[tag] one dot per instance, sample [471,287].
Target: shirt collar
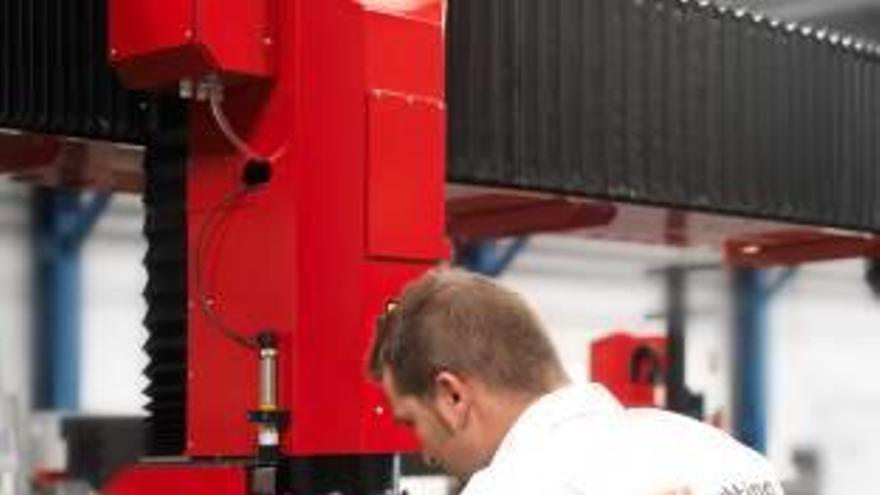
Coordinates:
[553,408]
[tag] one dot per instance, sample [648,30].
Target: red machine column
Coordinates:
[315,191]
[352,127]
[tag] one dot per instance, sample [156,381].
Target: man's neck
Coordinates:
[506,409]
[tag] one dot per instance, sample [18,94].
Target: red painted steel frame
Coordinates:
[355,209]
[182,479]
[19,153]
[795,246]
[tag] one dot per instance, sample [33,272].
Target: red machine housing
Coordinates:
[632,368]
[183,479]
[160,42]
[354,210]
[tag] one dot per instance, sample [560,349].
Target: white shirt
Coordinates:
[580,440]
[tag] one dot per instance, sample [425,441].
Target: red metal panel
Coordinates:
[158,43]
[250,261]
[294,256]
[406,178]
[328,193]
[249,269]
[414,66]
[384,279]
[239,35]
[184,479]
[138,28]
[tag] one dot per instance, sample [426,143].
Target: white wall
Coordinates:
[112,332]
[14,292]
[826,374]
[113,278]
[14,332]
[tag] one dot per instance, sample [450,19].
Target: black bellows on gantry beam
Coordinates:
[665,102]
[166,261]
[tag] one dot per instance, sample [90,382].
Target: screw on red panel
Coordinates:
[186,90]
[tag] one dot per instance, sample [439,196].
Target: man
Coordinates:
[468,366]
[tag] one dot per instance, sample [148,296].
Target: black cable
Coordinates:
[215,215]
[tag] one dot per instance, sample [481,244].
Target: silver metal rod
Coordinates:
[268,378]
[396,474]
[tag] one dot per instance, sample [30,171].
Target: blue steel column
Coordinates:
[753,292]
[60,223]
[487,258]
[749,359]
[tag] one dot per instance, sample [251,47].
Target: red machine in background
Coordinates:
[632,368]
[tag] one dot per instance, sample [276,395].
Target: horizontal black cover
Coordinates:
[54,74]
[665,102]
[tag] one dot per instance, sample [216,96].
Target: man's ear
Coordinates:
[453,398]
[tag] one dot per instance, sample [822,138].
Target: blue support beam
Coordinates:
[754,292]
[490,259]
[61,222]
[749,358]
